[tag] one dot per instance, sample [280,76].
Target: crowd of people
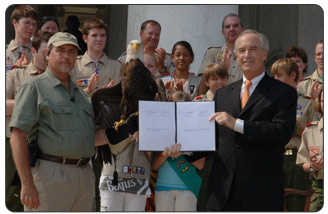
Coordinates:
[72,121]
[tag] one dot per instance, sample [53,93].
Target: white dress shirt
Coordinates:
[239,125]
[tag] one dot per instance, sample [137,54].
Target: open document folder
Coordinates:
[162,124]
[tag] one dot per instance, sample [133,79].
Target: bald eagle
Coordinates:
[134,51]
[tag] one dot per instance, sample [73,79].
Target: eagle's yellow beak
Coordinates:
[135,46]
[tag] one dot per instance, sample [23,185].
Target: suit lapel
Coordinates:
[235,95]
[260,90]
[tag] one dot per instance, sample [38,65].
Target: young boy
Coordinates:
[19,51]
[215,77]
[285,70]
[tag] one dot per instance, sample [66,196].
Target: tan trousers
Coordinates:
[63,187]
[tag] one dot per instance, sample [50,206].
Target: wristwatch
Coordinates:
[312,170]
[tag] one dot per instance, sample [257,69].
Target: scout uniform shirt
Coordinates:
[311,148]
[304,114]
[63,121]
[14,79]
[205,97]
[13,53]
[168,63]
[109,69]
[304,87]
[190,86]
[214,55]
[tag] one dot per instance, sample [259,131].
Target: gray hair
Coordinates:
[263,39]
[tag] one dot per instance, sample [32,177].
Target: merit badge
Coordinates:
[298,107]
[125,169]
[138,170]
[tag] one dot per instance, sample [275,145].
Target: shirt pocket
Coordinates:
[62,117]
[89,116]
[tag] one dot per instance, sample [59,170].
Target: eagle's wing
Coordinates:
[106,106]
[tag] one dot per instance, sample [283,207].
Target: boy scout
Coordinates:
[231,28]
[310,156]
[286,71]
[25,21]
[150,33]
[51,110]
[95,65]
[14,80]
[310,85]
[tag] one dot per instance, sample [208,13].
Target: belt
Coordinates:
[289,152]
[77,162]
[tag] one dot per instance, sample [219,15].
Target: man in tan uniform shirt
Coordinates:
[310,157]
[95,68]
[231,28]
[14,80]
[25,21]
[150,33]
[314,81]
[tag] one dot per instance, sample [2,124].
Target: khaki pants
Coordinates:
[175,200]
[317,197]
[63,187]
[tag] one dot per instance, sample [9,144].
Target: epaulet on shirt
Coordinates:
[212,47]
[15,66]
[306,78]
[79,57]
[312,123]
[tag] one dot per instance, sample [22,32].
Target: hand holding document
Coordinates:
[162,124]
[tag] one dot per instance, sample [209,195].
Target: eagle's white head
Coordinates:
[134,50]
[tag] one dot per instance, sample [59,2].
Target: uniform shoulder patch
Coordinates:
[305,78]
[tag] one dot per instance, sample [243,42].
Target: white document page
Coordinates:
[194,131]
[156,125]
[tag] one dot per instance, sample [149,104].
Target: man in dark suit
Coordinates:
[255,119]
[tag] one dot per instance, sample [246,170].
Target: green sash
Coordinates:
[187,173]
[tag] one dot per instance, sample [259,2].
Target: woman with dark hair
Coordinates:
[182,79]
[49,24]
[124,181]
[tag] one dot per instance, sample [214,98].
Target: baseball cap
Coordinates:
[63,38]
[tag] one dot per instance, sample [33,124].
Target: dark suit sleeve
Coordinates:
[280,128]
